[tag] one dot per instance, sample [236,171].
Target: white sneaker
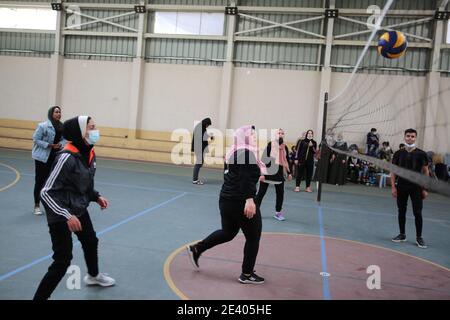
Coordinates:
[102,279]
[279,216]
[37,211]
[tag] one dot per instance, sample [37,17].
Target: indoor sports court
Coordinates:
[225,150]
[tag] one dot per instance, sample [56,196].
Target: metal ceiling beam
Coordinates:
[389,28]
[103,20]
[374,43]
[277,24]
[285,24]
[96,20]
[279,40]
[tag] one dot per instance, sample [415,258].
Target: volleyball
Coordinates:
[392,44]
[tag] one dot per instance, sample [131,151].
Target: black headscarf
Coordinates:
[56,123]
[200,126]
[72,132]
[205,124]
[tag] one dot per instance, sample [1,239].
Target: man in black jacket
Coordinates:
[66,197]
[414,159]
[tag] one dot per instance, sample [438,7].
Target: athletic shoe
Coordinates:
[420,243]
[252,278]
[279,216]
[37,211]
[400,238]
[198,182]
[308,189]
[102,279]
[297,189]
[193,255]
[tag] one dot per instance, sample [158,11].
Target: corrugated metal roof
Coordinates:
[445,62]
[180,51]
[423,29]
[250,54]
[413,62]
[397,5]
[245,23]
[27,44]
[100,48]
[282,3]
[278,56]
[130,21]
[192,2]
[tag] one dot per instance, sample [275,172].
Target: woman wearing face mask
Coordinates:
[47,140]
[304,159]
[276,159]
[66,197]
[237,206]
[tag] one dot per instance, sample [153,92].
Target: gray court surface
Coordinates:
[155,209]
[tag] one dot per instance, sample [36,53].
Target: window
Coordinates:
[28,18]
[448,32]
[197,23]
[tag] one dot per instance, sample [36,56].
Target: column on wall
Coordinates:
[227,74]
[137,78]
[56,61]
[325,75]
[427,131]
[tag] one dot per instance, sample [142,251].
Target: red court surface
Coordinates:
[292,264]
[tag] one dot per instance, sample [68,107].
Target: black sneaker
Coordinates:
[400,238]
[193,255]
[253,278]
[420,243]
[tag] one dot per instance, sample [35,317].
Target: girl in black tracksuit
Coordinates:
[66,196]
[242,173]
[304,159]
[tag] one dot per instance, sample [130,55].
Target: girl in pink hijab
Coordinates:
[237,204]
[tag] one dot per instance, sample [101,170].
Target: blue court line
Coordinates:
[25,267]
[325,284]
[291,203]
[114,226]
[137,215]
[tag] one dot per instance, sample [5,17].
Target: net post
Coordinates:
[324,127]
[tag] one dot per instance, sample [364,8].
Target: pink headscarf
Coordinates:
[242,141]
[278,152]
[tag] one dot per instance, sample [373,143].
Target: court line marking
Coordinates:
[180,294]
[287,202]
[15,180]
[100,233]
[323,256]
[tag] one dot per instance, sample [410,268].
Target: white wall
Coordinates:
[177,95]
[24,88]
[100,89]
[272,99]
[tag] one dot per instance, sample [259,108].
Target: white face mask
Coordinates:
[93,137]
[410,146]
